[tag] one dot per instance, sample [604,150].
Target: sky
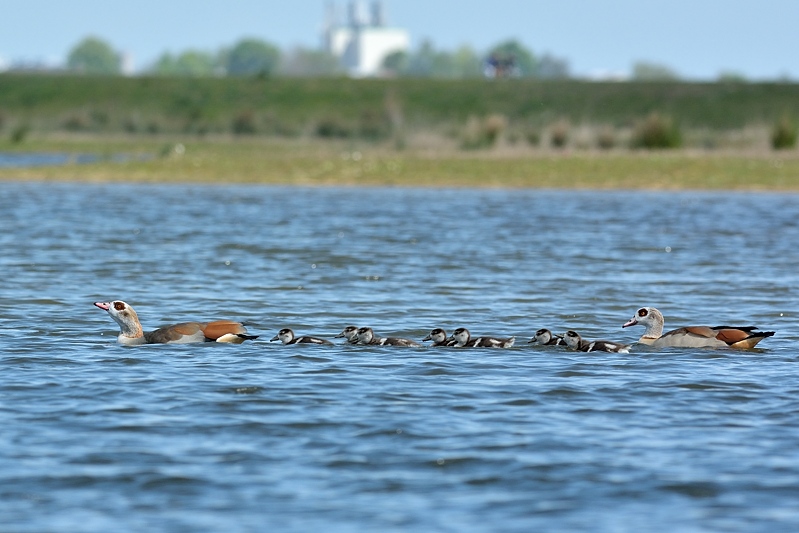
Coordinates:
[698,39]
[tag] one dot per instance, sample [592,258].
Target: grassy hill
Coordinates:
[341,107]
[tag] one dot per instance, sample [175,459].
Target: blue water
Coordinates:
[11,159]
[98,437]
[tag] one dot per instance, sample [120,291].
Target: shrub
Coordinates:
[783,135]
[333,128]
[244,123]
[130,125]
[20,133]
[374,125]
[76,123]
[533,137]
[153,127]
[493,127]
[559,134]
[606,138]
[483,133]
[656,131]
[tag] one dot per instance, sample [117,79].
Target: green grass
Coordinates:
[294,106]
[342,163]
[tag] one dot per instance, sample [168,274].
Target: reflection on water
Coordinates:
[37,159]
[206,437]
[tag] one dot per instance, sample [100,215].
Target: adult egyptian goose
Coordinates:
[287,336]
[367,336]
[132,333]
[545,337]
[464,339]
[574,341]
[694,336]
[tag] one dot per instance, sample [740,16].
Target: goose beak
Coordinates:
[632,322]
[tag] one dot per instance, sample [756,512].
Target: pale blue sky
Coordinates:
[696,38]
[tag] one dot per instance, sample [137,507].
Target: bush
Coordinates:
[20,133]
[559,134]
[333,128]
[656,131]
[483,133]
[493,127]
[783,136]
[244,123]
[533,137]
[606,138]
[374,125]
[76,123]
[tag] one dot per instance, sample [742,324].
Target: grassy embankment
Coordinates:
[398,132]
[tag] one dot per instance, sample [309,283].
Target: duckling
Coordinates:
[575,342]
[287,336]
[463,338]
[367,336]
[545,337]
[439,338]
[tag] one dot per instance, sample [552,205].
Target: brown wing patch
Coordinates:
[700,331]
[731,336]
[172,333]
[214,330]
[186,328]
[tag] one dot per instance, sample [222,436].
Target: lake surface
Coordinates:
[98,437]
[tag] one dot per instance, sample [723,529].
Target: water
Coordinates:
[98,437]
[37,159]
[11,159]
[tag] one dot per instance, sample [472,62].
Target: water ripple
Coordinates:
[101,437]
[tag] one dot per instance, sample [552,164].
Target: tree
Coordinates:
[396,63]
[550,67]
[305,62]
[511,58]
[466,63]
[645,71]
[94,56]
[252,57]
[188,63]
[421,63]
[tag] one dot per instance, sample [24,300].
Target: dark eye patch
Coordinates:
[642,312]
[119,306]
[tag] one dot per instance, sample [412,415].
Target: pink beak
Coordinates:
[105,306]
[632,322]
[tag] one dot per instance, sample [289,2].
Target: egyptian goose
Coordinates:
[545,337]
[350,333]
[287,336]
[439,338]
[367,336]
[132,334]
[463,339]
[575,342]
[694,336]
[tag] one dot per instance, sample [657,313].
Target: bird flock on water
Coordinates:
[230,331]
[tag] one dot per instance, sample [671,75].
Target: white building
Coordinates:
[364,41]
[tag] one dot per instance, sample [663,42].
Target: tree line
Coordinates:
[256,57]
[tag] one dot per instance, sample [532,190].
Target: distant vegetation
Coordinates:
[472,113]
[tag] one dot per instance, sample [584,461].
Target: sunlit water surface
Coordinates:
[97,437]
